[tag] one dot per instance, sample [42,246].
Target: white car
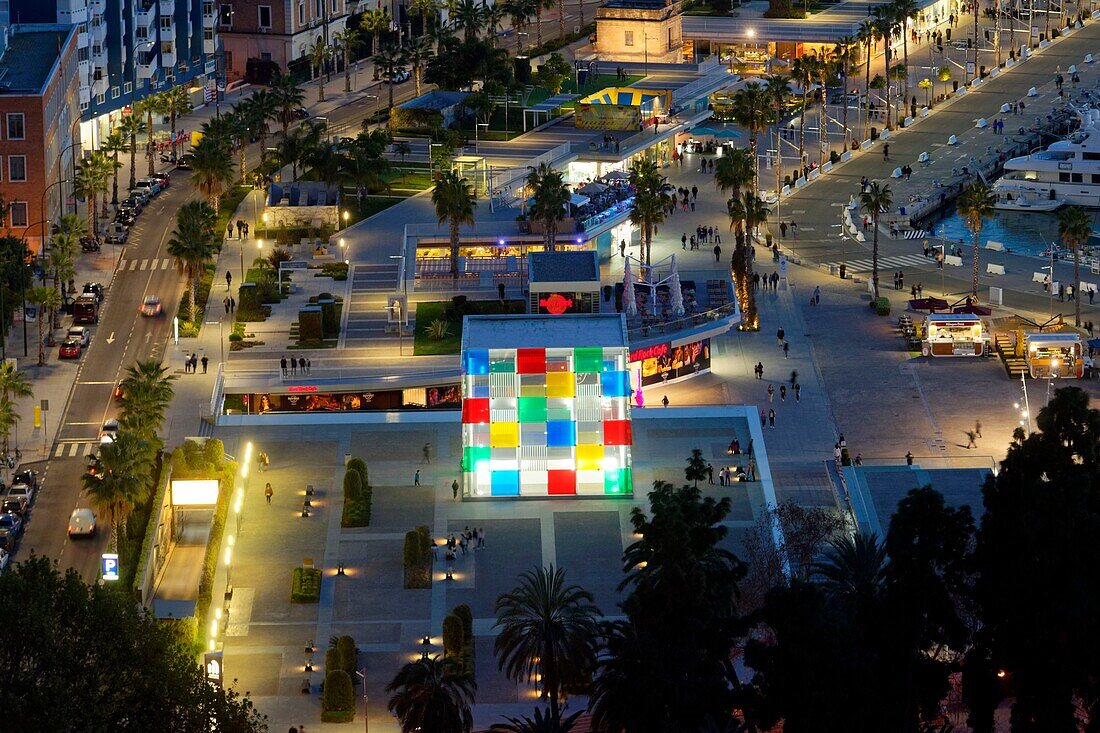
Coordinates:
[81,333]
[82,523]
[109,432]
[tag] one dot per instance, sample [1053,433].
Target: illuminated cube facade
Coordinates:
[545,406]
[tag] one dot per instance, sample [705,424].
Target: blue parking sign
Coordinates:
[110,566]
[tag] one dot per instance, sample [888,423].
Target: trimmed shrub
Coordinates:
[333,660]
[881,306]
[359,465]
[353,486]
[305,586]
[338,700]
[417,558]
[349,655]
[357,495]
[453,636]
[214,452]
[463,612]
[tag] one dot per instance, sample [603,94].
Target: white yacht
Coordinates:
[1067,172]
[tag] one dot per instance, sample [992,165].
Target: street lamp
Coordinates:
[343,255]
[346,215]
[260,251]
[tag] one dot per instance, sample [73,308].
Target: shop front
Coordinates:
[313,398]
[1055,355]
[954,334]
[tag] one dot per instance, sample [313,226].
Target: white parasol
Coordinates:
[674,290]
[630,305]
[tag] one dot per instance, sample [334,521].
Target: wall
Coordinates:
[292,216]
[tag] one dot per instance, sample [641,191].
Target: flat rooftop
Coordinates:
[559,267]
[31,56]
[536,332]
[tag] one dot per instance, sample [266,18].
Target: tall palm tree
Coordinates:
[976,204]
[651,201]
[364,164]
[550,200]
[153,104]
[520,11]
[177,102]
[319,55]
[886,21]
[778,93]
[853,570]
[117,479]
[89,182]
[425,9]
[432,695]
[389,62]
[418,52]
[237,133]
[540,5]
[376,22]
[130,127]
[541,723]
[258,110]
[804,71]
[295,148]
[211,169]
[876,199]
[48,300]
[193,244]
[9,419]
[469,17]
[63,257]
[748,210]
[494,16]
[146,394]
[733,171]
[845,54]
[868,35]
[547,629]
[112,145]
[903,11]
[13,385]
[454,200]
[752,111]
[347,40]
[1074,229]
[288,96]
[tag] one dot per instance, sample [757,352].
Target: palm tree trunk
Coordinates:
[133,161]
[888,108]
[149,139]
[561,18]
[41,349]
[580,12]
[390,85]
[114,186]
[321,83]
[193,284]
[172,127]
[867,93]
[802,128]
[244,165]
[454,249]
[974,268]
[905,79]
[538,23]
[844,97]
[1077,285]
[874,255]
[648,244]
[347,71]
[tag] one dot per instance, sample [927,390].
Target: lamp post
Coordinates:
[260,250]
[366,721]
[42,212]
[1052,374]
[431,173]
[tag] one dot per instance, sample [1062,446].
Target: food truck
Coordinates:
[954,334]
[1059,355]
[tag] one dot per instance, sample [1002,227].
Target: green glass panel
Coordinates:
[472,456]
[503,367]
[618,482]
[532,409]
[587,361]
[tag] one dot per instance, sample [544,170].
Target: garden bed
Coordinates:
[305,585]
[425,344]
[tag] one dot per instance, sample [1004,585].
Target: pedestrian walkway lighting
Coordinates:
[309,665]
[347,215]
[450,573]
[340,569]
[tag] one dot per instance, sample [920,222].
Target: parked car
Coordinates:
[132,205]
[82,523]
[400,77]
[164,178]
[125,217]
[69,349]
[118,391]
[80,333]
[11,529]
[21,491]
[109,431]
[150,306]
[150,184]
[95,289]
[301,113]
[30,478]
[141,194]
[116,233]
[14,505]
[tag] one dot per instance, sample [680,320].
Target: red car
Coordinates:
[70,349]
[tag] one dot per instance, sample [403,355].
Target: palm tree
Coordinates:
[887,24]
[778,93]
[425,9]
[257,111]
[112,145]
[211,169]
[376,22]
[853,570]
[752,111]
[540,5]
[63,258]
[541,723]
[389,62]
[868,34]
[9,419]
[296,147]
[237,133]
[48,300]
[432,695]
[347,40]
[469,17]
[749,210]
[319,54]
[146,394]
[153,104]
[651,201]
[193,244]
[418,52]
[176,102]
[287,96]
[547,629]
[130,127]
[520,11]
[976,204]
[903,10]
[494,16]
[845,54]
[1074,229]
[733,171]
[89,182]
[804,71]
[454,201]
[876,199]
[117,479]
[550,200]
[14,384]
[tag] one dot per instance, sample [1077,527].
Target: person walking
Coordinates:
[481,537]
[293,366]
[771,419]
[779,334]
[771,393]
[228,280]
[794,229]
[268,492]
[978,428]
[786,349]
[886,151]
[759,369]
[816,300]
[454,490]
[664,400]
[782,229]
[782,393]
[416,478]
[717,253]
[908,458]
[426,451]
[684,241]
[282,365]
[226,304]
[970,439]
[710,474]
[797,392]
[204,361]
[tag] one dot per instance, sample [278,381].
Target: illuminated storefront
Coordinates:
[950,334]
[1053,355]
[666,362]
[546,406]
[563,282]
[309,398]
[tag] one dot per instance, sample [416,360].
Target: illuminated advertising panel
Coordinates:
[203,492]
[663,362]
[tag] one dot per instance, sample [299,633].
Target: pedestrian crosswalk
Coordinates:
[154,263]
[885,263]
[74,450]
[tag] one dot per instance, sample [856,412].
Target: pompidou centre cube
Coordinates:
[545,406]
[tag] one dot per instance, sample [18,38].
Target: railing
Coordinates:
[684,323]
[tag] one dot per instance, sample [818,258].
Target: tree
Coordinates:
[146,394]
[319,55]
[425,9]
[14,385]
[63,251]
[130,127]
[376,22]
[1036,557]
[696,469]
[548,631]
[192,245]
[651,201]
[733,171]
[48,300]
[151,105]
[749,210]
[90,181]
[432,695]
[778,95]
[944,75]
[977,203]
[553,72]
[468,16]
[211,168]
[903,10]
[868,34]
[667,665]
[1074,229]
[112,145]
[389,63]
[402,149]
[805,71]
[876,199]
[118,479]
[9,419]
[418,52]
[177,102]
[364,163]
[347,40]
[886,22]
[541,723]
[846,55]
[454,201]
[296,147]
[288,96]
[541,5]
[752,111]
[551,199]
[520,12]
[257,111]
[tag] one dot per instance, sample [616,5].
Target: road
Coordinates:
[121,338]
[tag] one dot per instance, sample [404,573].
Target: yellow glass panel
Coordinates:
[504,434]
[589,457]
[560,384]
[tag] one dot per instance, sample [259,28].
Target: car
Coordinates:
[70,349]
[109,432]
[14,505]
[150,184]
[95,289]
[125,217]
[21,491]
[30,478]
[150,306]
[141,194]
[132,205]
[11,529]
[116,233]
[80,333]
[301,113]
[400,77]
[164,179]
[89,464]
[5,559]
[82,523]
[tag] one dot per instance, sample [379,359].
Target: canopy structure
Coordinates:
[546,107]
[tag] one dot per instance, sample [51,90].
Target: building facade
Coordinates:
[276,31]
[39,137]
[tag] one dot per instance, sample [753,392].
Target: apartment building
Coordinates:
[270,30]
[39,134]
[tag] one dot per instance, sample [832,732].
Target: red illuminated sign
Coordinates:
[556,304]
[649,352]
[302,388]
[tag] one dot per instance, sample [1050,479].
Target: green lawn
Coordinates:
[424,345]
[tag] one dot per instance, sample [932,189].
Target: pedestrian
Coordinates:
[695,189]
[309,367]
[481,537]
[901,279]
[1092,293]
[886,151]
[797,392]
[229,231]
[293,366]
[194,363]
[782,393]
[908,458]
[970,439]
[794,229]
[771,419]
[859,460]
[226,303]
[622,249]
[763,419]
[779,334]
[684,241]
[664,400]
[895,281]
[427,452]
[978,428]
[837,452]
[782,229]
[454,490]
[246,230]
[771,393]
[710,474]
[416,478]
[268,492]
[462,542]
[817,295]
[228,279]
[232,304]
[717,253]
[302,364]
[786,349]
[205,361]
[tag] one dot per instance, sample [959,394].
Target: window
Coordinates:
[18,212]
[301,14]
[1092,156]
[115,92]
[1063,177]
[127,88]
[208,34]
[17,168]
[16,130]
[1077,177]
[1095,178]
[629,40]
[166,22]
[207,9]
[82,54]
[335,6]
[225,15]
[319,9]
[142,33]
[265,16]
[267,57]
[100,99]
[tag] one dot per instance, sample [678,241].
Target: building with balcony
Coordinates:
[39,109]
[276,32]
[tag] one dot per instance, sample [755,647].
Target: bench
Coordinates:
[992,269]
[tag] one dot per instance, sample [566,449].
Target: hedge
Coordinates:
[417,557]
[360,466]
[453,636]
[458,638]
[191,463]
[151,525]
[349,655]
[338,699]
[881,306]
[305,585]
[358,496]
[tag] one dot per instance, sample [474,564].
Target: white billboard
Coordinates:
[203,492]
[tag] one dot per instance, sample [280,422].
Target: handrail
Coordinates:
[683,323]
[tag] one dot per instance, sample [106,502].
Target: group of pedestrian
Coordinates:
[767,419]
[815,299]
[973,435]
[466,539]
[768,281]
[997,126]
[907,171]
[899,280]
[292,365]
[706,165]
[783,226]
[191,363]
[230,304]
[917,291]
[729,475]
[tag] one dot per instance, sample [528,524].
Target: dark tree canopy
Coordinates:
[75,657]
